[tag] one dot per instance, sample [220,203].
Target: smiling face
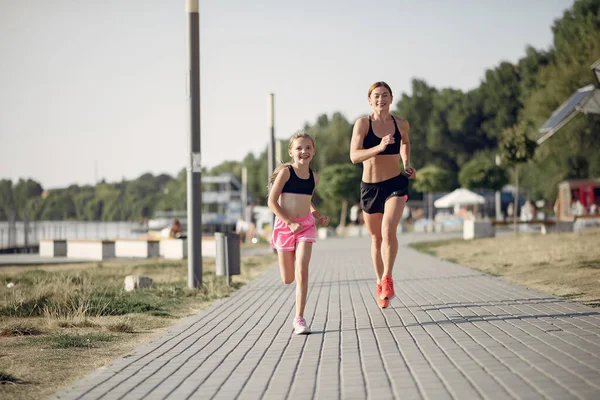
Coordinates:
[380,96]
[380,99]
[302,150]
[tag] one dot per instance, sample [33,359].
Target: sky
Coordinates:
[97,90]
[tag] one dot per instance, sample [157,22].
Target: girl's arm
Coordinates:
[323,219]
[282,177]
[313,210]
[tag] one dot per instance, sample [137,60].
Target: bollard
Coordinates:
[227,255]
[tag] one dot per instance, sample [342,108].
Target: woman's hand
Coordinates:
[386,140]
[410,172]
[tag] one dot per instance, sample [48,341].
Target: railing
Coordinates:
[22,234]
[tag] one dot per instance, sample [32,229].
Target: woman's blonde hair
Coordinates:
[297,135]
[379,84]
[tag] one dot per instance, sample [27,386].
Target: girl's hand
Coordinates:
[324,220]
[295,227]
[410,172]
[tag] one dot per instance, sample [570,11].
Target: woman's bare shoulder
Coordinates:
[399,119]
[361,120]
[402,122]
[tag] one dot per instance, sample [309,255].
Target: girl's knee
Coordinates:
[287,275]
[302,277]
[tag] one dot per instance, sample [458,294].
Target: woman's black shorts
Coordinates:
[374,195]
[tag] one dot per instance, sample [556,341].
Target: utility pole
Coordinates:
[271,122]
[271,152]
[194,167]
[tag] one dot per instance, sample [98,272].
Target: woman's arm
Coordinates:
[405,147]
[357,153]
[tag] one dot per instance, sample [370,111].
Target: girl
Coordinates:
[290,192]
[379,141]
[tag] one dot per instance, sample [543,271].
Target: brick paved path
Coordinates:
[451,332]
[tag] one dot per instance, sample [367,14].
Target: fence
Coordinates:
[26,234]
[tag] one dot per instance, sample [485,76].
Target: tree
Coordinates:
[332,140]
[528,69]
[58,206]
[433,178]
[482,173]
[417,109]
[516,148]
[501,98]
[572,152]
[6,198]
[340,185]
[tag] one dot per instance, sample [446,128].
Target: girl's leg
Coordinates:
[286,265]
[303,252]
[389,224]
[373,223]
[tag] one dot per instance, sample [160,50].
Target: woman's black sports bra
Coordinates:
[371,140]
[298,185]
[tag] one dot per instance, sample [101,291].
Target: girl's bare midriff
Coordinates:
[295,205]
[380,168]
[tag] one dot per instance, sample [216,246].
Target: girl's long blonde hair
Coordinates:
[297,135]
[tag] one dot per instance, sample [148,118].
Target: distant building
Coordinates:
[221,206]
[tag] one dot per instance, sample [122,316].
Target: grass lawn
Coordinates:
[561,264]
[58,323]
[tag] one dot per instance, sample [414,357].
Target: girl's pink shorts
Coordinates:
[285,240]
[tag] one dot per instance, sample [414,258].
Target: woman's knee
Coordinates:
[376,239]
[389,235]
[389,232]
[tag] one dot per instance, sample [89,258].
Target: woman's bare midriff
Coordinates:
[295,205]
[381,168]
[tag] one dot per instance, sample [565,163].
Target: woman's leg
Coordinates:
[394,207]
[373,223]
[303,253]
[389,248]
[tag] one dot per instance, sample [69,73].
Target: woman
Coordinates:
[379,140]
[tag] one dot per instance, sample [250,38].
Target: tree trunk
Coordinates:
[516,200]
[344,213]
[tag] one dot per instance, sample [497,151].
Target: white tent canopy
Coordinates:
[459,197]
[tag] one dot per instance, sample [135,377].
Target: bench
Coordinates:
[532,222]
[91,249]
[478,229]
[555,226]
[137,248]
[177,249]
[53,248]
